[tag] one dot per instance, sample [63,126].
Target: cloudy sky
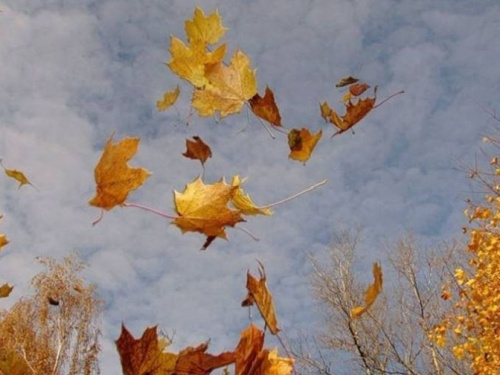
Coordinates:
[74,72]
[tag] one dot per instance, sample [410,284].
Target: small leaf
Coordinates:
[5,290]
[302,143]
[169,98]
[266,108]
[259,294]
[16,175]
[358,88]
[114,178]
[371,293]
[346,81]
[197,150]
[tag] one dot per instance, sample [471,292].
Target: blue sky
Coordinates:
[75,72]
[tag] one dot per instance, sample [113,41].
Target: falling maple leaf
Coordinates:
[147,356]
[5,290]
[355,112]
[203,208]
[3,238]
[266,108]
[114,178]
[302,143]
[259,294]
[346,81]
[169,98]
[371,293]
[358,88]
[243,202]
[248,349]
[188,62]
[197,150]
[203,29]
[228,89]
[16,175]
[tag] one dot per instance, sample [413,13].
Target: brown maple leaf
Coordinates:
[302,143]
[259,294]
[266,108]
[371,293]
[346,81]
[204,209]
[197,150]
[114,178]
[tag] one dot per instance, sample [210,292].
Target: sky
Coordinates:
[75,72]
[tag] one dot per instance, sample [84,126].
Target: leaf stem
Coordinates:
[388,98]
[247,231]
[150,209]
[293,196]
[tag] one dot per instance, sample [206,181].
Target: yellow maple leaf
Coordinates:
[3,238]
[16,175]
[371,293]
[5,290]
[188,62]
[259,294]
[302,143]
[204,29]
[271,364]
[203,208]
[114,178]
[243,202]
[169,98]
[228,89]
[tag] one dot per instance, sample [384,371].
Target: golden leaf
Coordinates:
[243,202]
[3,238]
[197,150]
[203,208]
[16,175]
[302,143]
[325,111]
[346,81]
[266,108]
[169,98]
[259,294]
[114,178]
[188,62]
[5,290]
[248,349]
[371,293]
[203,29]
[229,87]
[271,364]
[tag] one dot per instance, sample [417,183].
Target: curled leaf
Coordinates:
[243,202]
[259,294]
[346,81]
[302,143]
[114,178]
[266,108]
[5,290]
[197,150]
[371,293]
[16,175]
[169,98]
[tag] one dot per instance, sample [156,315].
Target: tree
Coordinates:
[392,337]
[55,331]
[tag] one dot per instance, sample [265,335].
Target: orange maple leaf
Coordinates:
[197,150]
[358,88]
[371,293]
[302,143]
[248,349]
[203,208]
[228,89]
[114,178]
[259,294]
[266,108]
